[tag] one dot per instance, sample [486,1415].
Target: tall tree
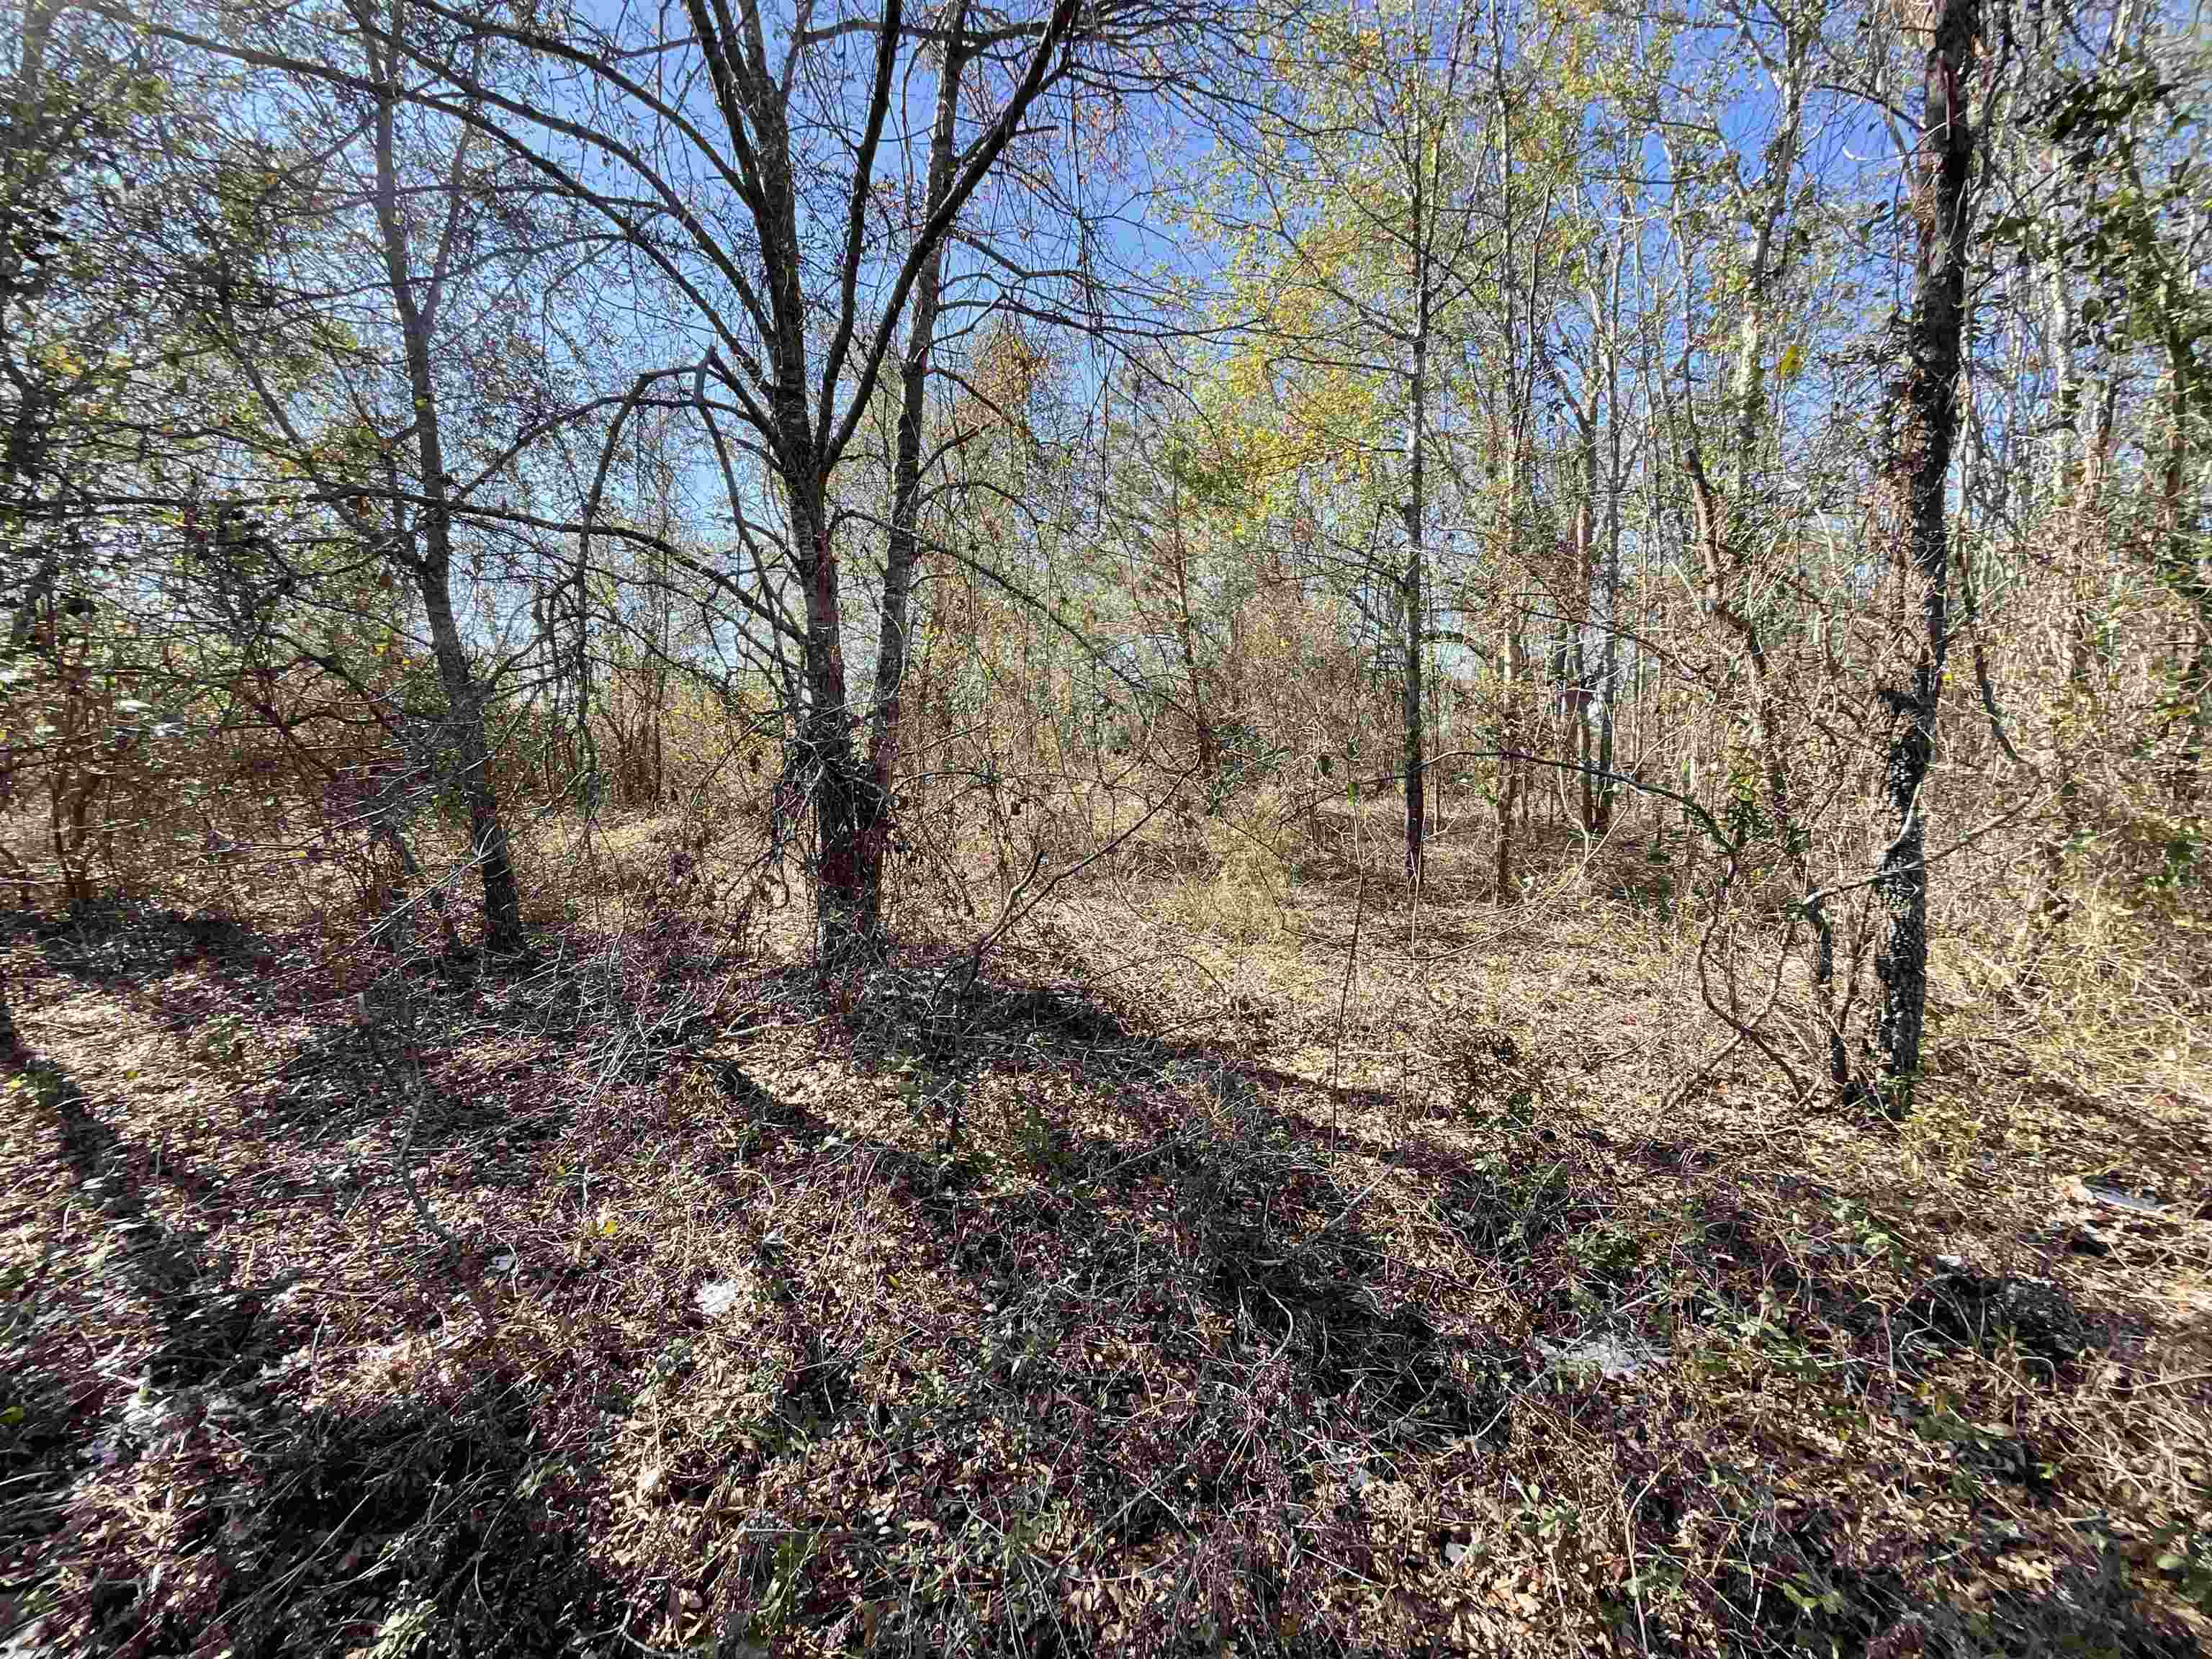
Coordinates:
[96,142]
[1919,467]
[1353,193]
[803,221]
[371,262]
[417,287]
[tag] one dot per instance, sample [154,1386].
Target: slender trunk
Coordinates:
[2189,780]
[1416,512]
[432,561]
[1748,394]
[1920,470]
[1409,595]
[659,736]
[1584,613]
[1437,692]
[2065,393]
[902,551]
[2183,564]
[1559,676]
[1608,651]
[1605,688]
[1514,653]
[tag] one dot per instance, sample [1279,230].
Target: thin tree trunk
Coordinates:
[1609,652]
[1584,612]
[1410,599]
[1920,470]
[1514,656]
[2189,780]
[902,551]
[1416,511]
[1749,394]
[2184,564]
[433,560]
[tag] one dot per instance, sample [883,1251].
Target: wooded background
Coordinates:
[1749,454]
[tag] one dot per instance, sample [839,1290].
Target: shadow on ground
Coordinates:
[1309,1368]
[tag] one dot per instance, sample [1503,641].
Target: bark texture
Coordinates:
[1926,429]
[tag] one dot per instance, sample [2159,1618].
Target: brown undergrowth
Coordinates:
[1166,1288]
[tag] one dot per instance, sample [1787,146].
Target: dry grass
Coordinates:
[1175,1290]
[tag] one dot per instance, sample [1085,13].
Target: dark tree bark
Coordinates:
[12,1053]
[806,430]
[1919,469]
[1409,591]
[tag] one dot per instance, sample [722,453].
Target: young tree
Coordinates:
[1352,193]
[376,400]
[1741,530]
[1927,419]
[79,324]
[1586,368]
[95,385]
[423,529]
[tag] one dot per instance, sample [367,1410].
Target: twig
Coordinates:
[1343,997]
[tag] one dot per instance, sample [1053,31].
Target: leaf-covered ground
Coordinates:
[1162,1293]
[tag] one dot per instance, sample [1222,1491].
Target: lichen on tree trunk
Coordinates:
[1919,469]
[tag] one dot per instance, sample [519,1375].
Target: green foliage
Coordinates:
[2129,131]
[2183,1558]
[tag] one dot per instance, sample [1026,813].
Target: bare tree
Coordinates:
[1357,176]
[373,435]
[424,532]
[780,225]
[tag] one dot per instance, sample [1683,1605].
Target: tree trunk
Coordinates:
[799,420]
[431,562]
[1416,779]
[1514,654]
[2183,563]
[11,1040]
[1919,471]
[1416,512]
[848,864]
[1584,612]
[488,838]
[1606,303]
[874,825]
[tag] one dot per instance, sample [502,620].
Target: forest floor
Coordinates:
[1188,1287]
